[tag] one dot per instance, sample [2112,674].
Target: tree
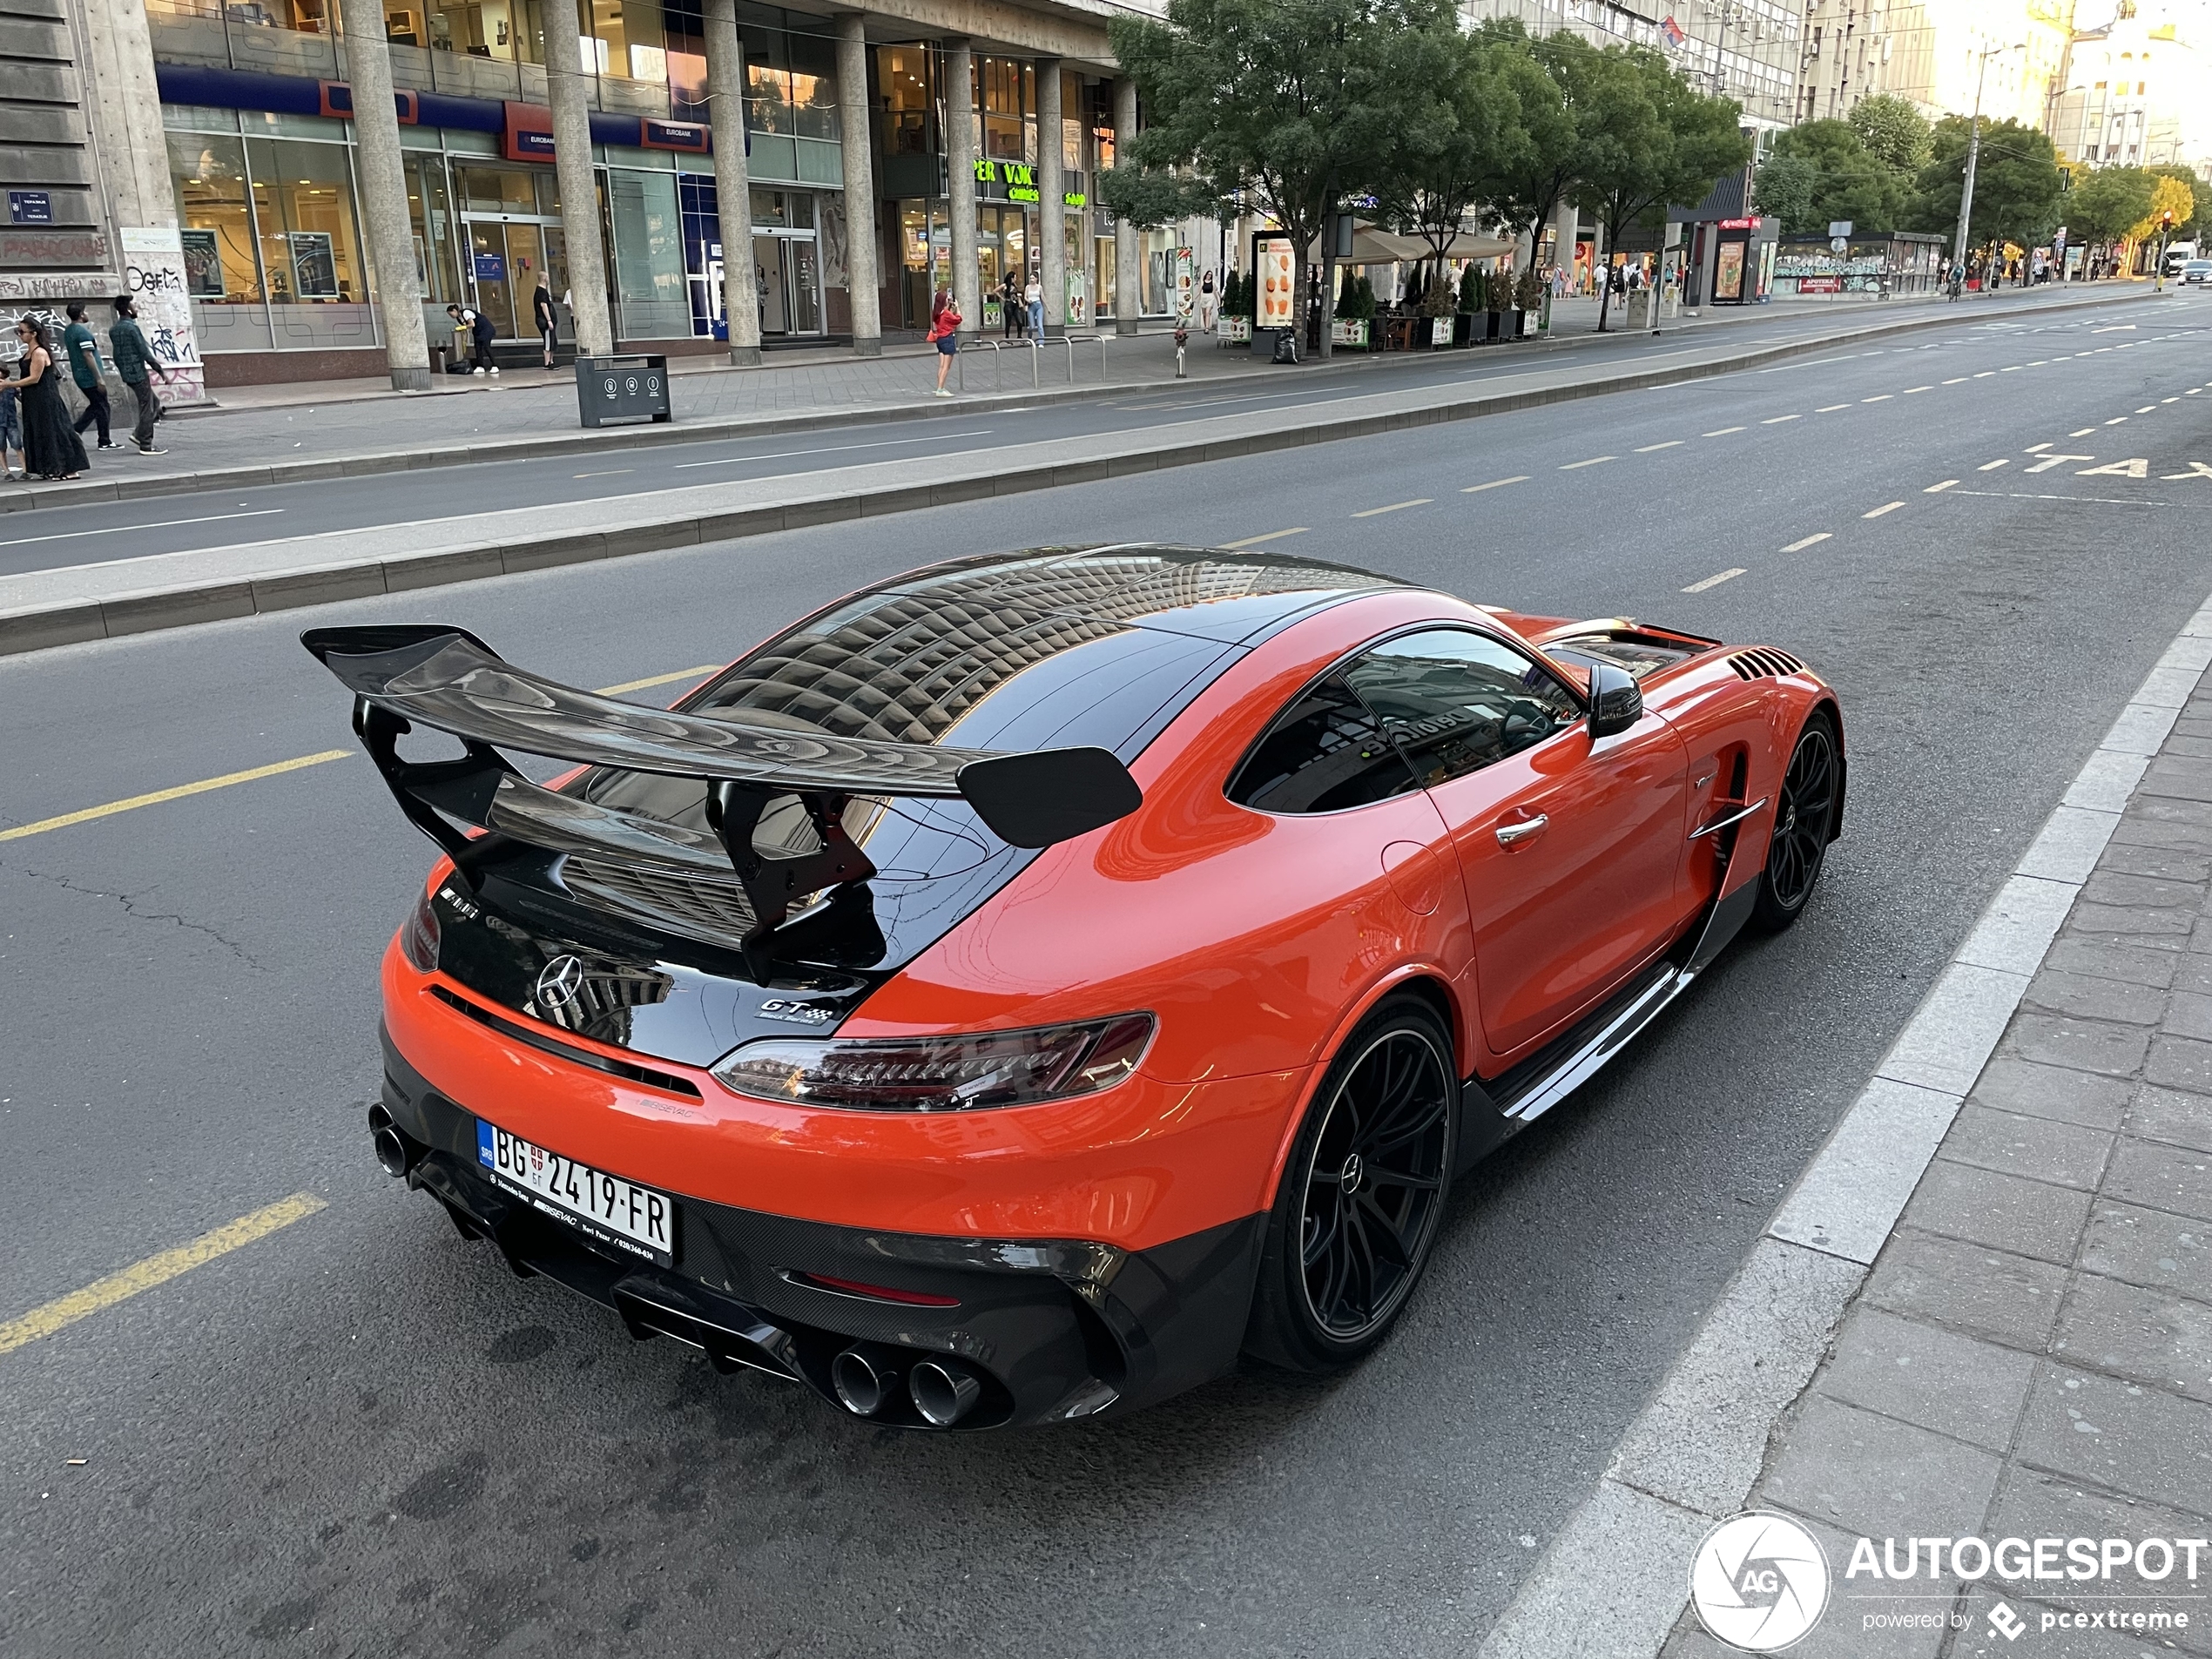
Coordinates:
[2168,195]
[1784,189]
[2185,224]
[1436,165]
[1534,166]
[2105,203]
[1286,103]
[1893,130]
[1839,178]
[2016,184]
[1646,138]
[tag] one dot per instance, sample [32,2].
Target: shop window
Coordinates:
[1000,99]
[215,223]
[652,296]
[904,95]
[309,244]
[429,203]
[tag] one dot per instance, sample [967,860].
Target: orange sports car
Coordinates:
[1019,989]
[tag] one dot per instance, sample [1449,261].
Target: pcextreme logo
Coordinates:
[1759,1582]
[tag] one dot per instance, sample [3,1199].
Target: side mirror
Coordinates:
[1616,702]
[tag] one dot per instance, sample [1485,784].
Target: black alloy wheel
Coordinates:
[1362,1195]
[1803,817]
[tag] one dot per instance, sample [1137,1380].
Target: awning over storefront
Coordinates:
[1373,246]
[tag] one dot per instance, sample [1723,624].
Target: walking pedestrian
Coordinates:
[1208,301]
[1010,307]
[548,320]
[50,448]
[1033,298]
[84,368]
[11,429]
[944,333]
[134,362]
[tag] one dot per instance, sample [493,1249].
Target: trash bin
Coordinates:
[614,391]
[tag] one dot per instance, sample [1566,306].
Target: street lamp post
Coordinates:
[1973,148]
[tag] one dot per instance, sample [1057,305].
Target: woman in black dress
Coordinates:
[50,446]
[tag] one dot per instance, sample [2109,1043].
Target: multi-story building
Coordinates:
[1746,50]
[231,119]
[2005,56]
[1847,48]
[2136,93]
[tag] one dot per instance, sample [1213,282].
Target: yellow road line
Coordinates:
[661,680]
[155,1269]
[1396,506]
[1271,535]
[176,793]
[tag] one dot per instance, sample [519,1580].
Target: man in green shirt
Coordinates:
[134,362]
[84,368]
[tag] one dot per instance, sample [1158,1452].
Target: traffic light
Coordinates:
[2166,220]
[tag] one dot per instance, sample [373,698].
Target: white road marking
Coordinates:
[1713,581]
[1948,483]
[1985,374]
[1881,397]
[1830,408]
[1911,389]
[2083,433]
[2037,448]
[2147,408]
[1777,420]
[117,530]
[2137,467]
[833,448]
[1670,444]
[1271,535]
[2116,420]
[1891,508]
[1800,546]
[1722,433]
[2050,461]
[1498,483]
[1592,461]
[1992,466]
[1398,506]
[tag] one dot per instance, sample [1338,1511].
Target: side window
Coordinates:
[1323,753]
[1455,702]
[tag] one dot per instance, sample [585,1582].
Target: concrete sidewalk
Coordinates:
[1985,1311]
[531,411]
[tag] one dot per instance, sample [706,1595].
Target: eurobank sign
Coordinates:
[1016,181]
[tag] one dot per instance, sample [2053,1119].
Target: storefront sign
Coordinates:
[686,137]
[202,265]
[528,131]
[1186,286]
[30,207]
[1006,181]
[1820,285]
[154,274]
[491,267]
[1750,223]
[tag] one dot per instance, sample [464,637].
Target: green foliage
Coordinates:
[1821,171]
[1533,168]
[1893,130]
[1527,291]
[1470,290]
[2189,224]
[1436,166]
[1356,296]
[1148,198]
[1646,138]
[2105,203]
[1782,189]
[2016,184]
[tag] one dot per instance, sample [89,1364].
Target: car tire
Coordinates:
[1805,818]
[1362,1195]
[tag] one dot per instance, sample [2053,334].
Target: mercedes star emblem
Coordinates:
[558,985]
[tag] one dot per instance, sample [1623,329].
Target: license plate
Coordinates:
[620,1212]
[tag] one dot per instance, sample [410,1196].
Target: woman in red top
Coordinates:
[944,329]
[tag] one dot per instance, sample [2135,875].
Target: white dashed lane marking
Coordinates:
[1713,581]
[1801,545]
[1889,507]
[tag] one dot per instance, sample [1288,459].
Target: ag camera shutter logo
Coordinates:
[1759,1582]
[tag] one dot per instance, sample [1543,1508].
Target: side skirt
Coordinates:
[1490,1112]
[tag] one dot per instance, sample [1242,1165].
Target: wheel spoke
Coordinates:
[1381,1232]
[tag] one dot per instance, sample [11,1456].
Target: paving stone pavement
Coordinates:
[2031,1356]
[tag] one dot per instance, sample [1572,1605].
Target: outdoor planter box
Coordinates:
[1463,328]
[1493,325]
[1350,333]
[1516,324]
[1236,330]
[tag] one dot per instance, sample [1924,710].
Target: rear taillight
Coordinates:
[419,936]
[948,1074]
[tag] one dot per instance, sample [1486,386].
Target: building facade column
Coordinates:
[1128,296]
[566,89]
[864,285]
[1565,222]
[960,183]
[1052,186]
[386,223]
[732,184]
[126,107]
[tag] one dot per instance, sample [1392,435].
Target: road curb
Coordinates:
[1692,1456]
[39,628]
[611,439]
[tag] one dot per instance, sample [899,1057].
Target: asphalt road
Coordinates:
[55,536]
[359,1434]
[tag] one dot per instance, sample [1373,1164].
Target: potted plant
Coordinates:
[1440,306]
[1528,294]
[1470,306]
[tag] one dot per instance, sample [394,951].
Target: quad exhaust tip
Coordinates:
[943,1390]
[866,1381]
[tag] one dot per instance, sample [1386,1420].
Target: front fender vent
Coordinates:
[1763,661]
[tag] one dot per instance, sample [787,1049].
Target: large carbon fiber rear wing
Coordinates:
[447,679]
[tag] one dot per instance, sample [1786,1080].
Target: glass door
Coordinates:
[491,275]
[768,272]
[804,265]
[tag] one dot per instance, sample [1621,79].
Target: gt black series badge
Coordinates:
[778,1008]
